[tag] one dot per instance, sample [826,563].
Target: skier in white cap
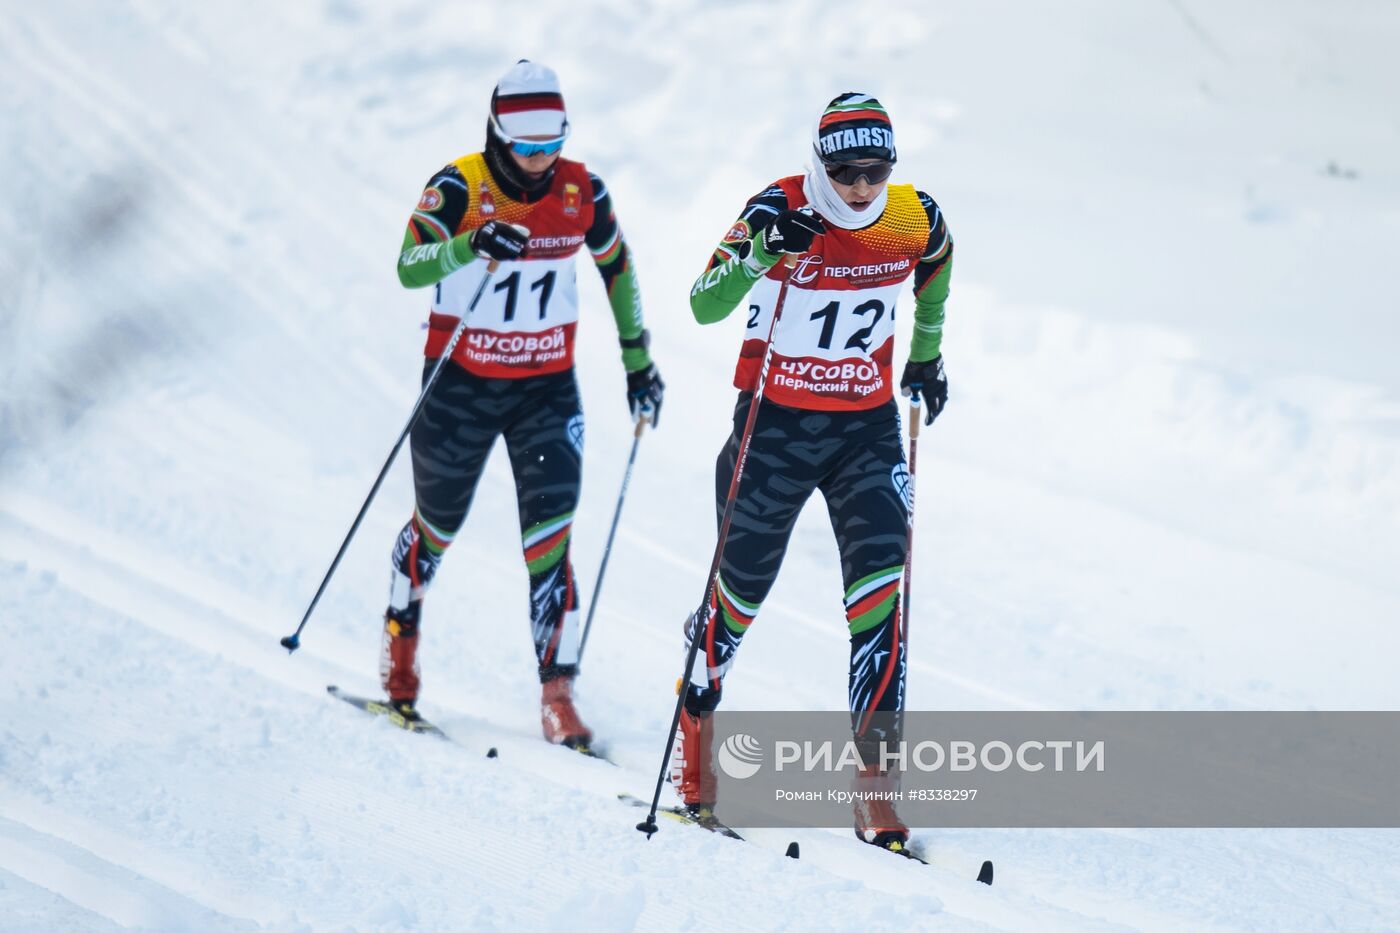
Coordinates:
[523,205]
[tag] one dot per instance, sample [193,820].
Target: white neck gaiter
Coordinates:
[825,201]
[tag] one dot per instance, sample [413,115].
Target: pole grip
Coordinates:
[916,414]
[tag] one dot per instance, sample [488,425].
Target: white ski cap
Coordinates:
[527,101]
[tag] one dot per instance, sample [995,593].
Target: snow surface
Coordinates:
[1169,477]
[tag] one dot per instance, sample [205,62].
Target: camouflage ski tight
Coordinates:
[857,462]
[541,421]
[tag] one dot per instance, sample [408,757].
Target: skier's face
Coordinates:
[535,165]
[862,193]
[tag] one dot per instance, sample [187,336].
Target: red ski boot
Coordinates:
[692,769]
[876,821]
[559,718]
[398,660]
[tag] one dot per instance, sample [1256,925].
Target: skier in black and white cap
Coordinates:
[520,203]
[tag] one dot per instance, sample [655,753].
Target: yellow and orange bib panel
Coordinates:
[525,321]
[834,343]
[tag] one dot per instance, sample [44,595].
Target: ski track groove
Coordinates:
[112,875]
[30,906]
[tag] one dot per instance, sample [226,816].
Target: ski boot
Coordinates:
[876,821]
[692,768]
[399,654]
[558,717]
[398,660]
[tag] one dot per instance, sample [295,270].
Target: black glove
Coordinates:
[497,239]
[927,378]
[792,232]
[644,393]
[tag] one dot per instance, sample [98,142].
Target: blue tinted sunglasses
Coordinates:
[529,147]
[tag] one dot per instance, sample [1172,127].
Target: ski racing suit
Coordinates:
[511,375]
[827,422]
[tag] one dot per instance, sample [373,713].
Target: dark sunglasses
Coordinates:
[847,173]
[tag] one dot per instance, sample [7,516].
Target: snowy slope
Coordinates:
[1169,477]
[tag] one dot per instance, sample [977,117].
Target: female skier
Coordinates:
[511,375]
[827,420]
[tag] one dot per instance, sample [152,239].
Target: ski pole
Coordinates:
[607,548]
[916,404]
[293,641]
[648,825]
